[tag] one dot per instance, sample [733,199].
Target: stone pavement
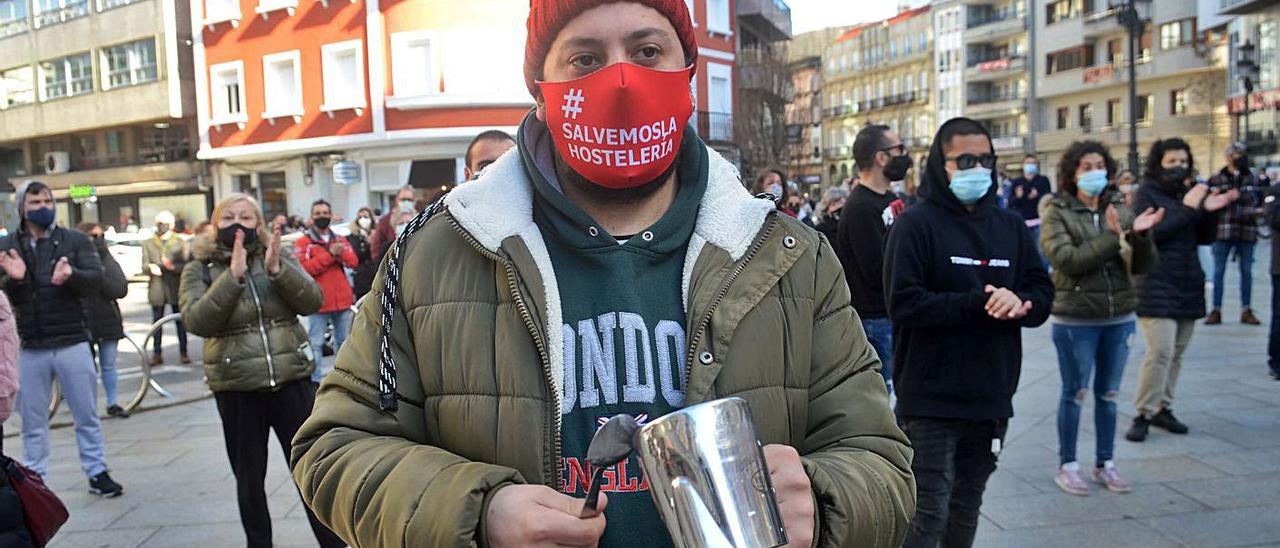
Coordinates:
[1218,486]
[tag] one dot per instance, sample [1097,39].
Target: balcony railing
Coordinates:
[72,10]
[996,98]
[715,126]
[836,153]
[14,26]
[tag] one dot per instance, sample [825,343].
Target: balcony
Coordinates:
[1118,134]
[996,69]
[836,153]
[1244,7]
[73,9]
[994,29]
[1007,143]
[715,126]
[771,19]
[995,105]
[14,26]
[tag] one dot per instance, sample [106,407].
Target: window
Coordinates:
[924,81]
[1086,116]
[13,17]
[718,16]
[129,64]
[52,12]
[1115,113]
[1178,102]
[88,151]
[1064,117]
[1070,59]
[226,83]
[343,75]
[282,84]
[1115,51]
[1177,33]
[66,77]
[1146,107]
[1063,10]
[169,143]
[415,68]
[17,87]
[893,50]
[1144,47]
[272,194]
[909,84]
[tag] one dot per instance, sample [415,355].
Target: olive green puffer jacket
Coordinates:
[1092,267]
[478,343]
[252,338]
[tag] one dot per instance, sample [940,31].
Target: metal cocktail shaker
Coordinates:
[708,477]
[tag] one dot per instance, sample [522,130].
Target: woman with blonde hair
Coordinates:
[244,295]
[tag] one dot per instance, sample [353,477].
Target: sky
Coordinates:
[807,15]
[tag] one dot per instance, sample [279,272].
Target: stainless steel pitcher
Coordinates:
[708,477]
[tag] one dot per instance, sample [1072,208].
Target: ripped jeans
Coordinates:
[1081,350]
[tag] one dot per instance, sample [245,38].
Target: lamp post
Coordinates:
[1246,67]
[1133,22]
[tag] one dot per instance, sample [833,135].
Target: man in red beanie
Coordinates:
[611,264]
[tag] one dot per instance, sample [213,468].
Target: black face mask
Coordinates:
[1176,174]
[897,168]
[1242,163]
[321,222]
[227,236]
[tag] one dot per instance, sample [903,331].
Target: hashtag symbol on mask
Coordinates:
[573,103]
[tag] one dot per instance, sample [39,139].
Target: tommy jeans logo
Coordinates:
[573,103]
[993,263]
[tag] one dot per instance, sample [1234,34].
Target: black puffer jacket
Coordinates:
[100,308]
[51,316]
[366,268]
[1175,289]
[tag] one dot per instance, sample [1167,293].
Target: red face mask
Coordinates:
[621,126]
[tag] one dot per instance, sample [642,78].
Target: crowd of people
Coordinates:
[508,320]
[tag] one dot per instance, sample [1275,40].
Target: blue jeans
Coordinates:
[73,367]
[880,335]
[316,325]
[1244,254]
[107,351]
[1081,350]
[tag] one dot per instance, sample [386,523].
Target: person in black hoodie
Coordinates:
[1171,297]
[961,277]
[103,315]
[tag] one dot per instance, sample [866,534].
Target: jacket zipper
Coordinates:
[262,330]
[720,295]
[1106,273]
[554,411]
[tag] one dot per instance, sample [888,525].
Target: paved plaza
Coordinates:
[1217,486]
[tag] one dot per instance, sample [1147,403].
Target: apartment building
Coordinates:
[348,100]
[804,108]
[879,73]
[1082,84]
[984,61]
[96,100]
[1256,27]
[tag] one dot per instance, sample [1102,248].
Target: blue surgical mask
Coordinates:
[1030,169]
[1093,182]
[42,217]
[970,185]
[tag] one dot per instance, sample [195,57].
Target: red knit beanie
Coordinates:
[547,17]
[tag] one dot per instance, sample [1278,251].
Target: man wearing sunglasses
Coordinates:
[962,278]
[864,225]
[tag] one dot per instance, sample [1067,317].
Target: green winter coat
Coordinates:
[163,289]
[252,338]
[480,380]
[1092,269]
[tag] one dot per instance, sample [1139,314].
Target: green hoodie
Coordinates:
[624,327]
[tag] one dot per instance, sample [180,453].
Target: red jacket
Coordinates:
[314,255]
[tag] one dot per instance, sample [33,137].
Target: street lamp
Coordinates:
[1129,17]
[1247,68]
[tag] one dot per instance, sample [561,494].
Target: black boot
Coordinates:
[1165,419]
[1138,432]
